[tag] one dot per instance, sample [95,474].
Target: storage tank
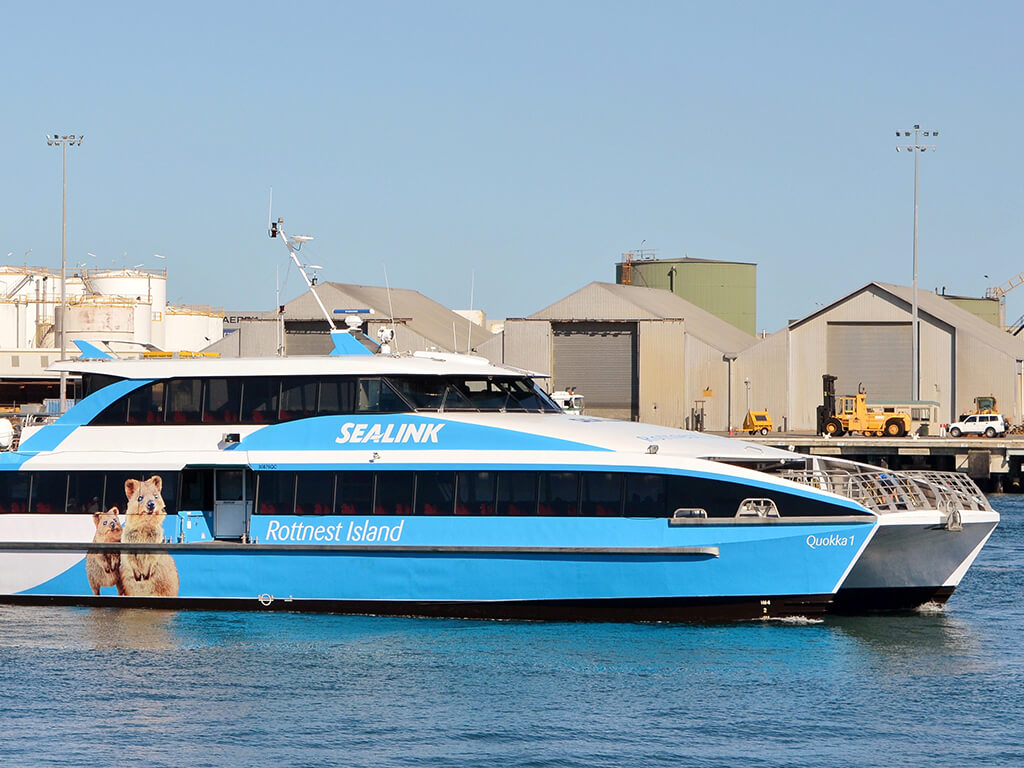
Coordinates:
[106,320]
[192,328]
[132,284]
[726,289]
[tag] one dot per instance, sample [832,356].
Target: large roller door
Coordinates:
[307,337]
[599,361]
[877,355]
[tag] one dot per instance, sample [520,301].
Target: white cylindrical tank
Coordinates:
[191,330]
[131,284]
[101,321]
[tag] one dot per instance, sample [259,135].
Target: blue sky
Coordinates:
[519,148]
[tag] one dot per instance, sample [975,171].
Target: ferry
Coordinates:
[436,484]
[424,484]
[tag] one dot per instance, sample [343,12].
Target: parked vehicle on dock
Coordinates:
[851,414]
[987,424]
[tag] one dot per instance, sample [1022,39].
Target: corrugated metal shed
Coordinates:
[421,321]
[608,301]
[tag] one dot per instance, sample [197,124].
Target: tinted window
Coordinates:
[435,493]
[49,492]
[314,493]
[184,401]
[259,400]
[93,382]
[476,491]
[377,396]
[275,493]
[146,405]
[559,493]
[222,401]
[355,493]
[395,493]
[14,492]
[85,492]
[645,496]
[517,493]
[602,494]
[298,398]
[337,396]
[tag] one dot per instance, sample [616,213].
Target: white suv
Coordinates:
[987,424]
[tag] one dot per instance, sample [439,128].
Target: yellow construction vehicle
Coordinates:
[757,421]
[849,413]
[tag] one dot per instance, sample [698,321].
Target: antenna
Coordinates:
[270,215]
[293,244]
[469,325]
[391,308]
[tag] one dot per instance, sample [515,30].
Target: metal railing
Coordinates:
[890,491]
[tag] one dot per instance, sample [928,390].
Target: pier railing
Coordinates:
[885,491]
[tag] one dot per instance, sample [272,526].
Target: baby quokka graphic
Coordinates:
[134,573]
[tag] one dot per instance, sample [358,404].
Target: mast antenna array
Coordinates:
[294,243]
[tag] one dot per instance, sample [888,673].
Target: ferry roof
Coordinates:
[423,363]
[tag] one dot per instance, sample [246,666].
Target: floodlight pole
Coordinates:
[917,149]
[63,142]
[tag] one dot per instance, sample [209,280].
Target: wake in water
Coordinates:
[930,608]
[802,620]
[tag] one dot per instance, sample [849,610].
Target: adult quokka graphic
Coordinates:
[146,574]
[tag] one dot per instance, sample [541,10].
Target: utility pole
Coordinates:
[63,142]
[917,149]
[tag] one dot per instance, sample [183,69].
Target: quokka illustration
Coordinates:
[104,567]
[146,574]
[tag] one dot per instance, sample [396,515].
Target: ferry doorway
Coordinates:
[232,502]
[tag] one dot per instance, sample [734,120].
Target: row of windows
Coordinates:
[361,492]
[80,492]
[266,400]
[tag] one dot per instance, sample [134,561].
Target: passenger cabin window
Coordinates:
[88,492]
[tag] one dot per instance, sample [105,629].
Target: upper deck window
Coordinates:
[269,400]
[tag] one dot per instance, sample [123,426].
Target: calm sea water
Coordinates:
[104,686]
